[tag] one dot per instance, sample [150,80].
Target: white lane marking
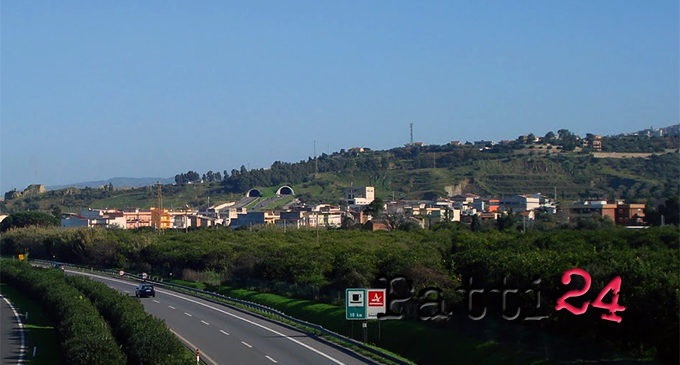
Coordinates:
[155,301]
[188,314]
[227,313]
[272,360]
[191,345]
[247,344]
[226,333]
[171,307]
[258,325]
[205,323]
[20,360]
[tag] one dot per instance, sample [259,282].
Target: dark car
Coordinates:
[58,265]
[145,290]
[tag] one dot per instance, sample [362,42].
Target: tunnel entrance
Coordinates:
[285,190]
[253,193]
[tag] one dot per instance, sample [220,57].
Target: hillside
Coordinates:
[410,172]
[117,182]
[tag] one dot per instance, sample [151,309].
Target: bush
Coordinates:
[85,337]
[26,219]
[144,338]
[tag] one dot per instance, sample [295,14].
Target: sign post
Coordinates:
[364,304]
[355,304]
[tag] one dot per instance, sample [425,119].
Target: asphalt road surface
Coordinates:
[228,336]
[11,344]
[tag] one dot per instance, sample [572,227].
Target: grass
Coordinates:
[413,340]
[39,329]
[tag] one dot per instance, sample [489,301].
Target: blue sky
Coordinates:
[97,89]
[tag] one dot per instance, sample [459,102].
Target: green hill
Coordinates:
[410,172]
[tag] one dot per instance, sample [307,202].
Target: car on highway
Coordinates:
[58,265]
[145,290]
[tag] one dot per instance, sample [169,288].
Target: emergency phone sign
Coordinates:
[363,304]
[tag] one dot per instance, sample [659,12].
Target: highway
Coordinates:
[12,342]
[228,336]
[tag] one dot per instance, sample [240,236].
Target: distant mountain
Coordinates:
[118,182]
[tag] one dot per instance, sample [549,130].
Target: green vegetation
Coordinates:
[415,340]
[25,219]
[293,264]
[407,172]
[144,338]
[638,144]
[85,338]
[39,329]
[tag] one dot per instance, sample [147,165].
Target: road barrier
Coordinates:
[248,305]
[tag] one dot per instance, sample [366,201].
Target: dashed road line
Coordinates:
[188,314]
[205,323]
[247,344]
[270,359]
[155,301]
[226,333]
[321,353]
[171,307]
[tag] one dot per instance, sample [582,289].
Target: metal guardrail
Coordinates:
[248,304]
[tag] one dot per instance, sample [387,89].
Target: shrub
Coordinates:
[85,337]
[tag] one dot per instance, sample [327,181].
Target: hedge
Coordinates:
[85,336]
[145,339]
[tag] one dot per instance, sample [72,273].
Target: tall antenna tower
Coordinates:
[411,127]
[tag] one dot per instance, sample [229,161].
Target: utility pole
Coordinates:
[411,128]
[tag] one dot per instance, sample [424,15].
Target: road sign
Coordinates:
[355,304]
[376,303]
[362,304]
[21,257]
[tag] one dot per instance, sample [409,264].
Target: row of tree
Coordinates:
[445,257]
[85,337]
[96,322]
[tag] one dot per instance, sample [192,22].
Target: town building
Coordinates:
[135,218]
[160,218]
[630,214]
[356,195]
[588,208]
[520,203]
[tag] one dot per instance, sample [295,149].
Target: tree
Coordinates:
[506,221]
[569,140]
[26,219]
[475,224]
[348,223]
[549,137]
[56,212]
[375,207]
[667,213]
